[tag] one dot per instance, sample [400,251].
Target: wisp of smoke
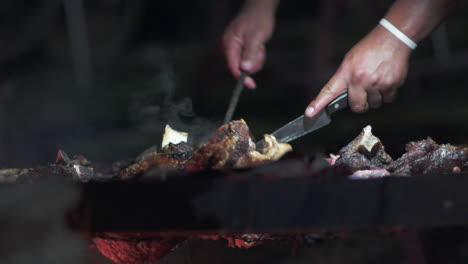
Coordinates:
[154,108]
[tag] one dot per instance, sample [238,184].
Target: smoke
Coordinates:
[155,107]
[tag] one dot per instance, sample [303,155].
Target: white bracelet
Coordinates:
[395,31]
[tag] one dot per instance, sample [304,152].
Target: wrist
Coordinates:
[389,41]
[397,33]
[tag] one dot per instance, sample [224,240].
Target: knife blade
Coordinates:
[302,125]
[236,93]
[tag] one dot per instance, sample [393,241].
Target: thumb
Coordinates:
[335,86]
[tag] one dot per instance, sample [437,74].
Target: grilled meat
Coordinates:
[363,153]
[366,152]
[229,144]
[426,156]
[232,147]
[229,147]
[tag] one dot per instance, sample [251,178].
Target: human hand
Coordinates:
[245,37]
[371,72]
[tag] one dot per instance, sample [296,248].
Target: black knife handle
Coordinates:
[339,103]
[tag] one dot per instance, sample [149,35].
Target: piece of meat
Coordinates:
[366,153]
[229,143]
[173,156]
[232,147]
[12,175]
[181,148]
[426,156]
[273,151]
[229,147]
[363,153]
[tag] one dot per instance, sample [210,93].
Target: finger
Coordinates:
[253,56]
[361,78]
[389,95]
[233,48]
[260,59]
[250,82]
[374,98]
[357,98]
[336,86]
[363,82]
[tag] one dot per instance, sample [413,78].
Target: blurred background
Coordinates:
[102,78]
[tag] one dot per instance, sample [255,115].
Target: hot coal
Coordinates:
[134,247]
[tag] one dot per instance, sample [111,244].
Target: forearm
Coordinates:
[417,18]
[261,6]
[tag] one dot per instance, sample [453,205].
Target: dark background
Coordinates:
[136,65]
[106,89]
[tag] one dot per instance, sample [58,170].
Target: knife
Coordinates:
[235,97]
[302,125]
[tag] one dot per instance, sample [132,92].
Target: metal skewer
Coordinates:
[235,97]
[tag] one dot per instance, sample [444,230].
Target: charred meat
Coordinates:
[367,152]
[363,153]
[426,156]
[229,147]
[232,147]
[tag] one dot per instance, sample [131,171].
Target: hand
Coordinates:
[371,72]
[244,40]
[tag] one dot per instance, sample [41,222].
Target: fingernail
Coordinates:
[309,111]
[246,65]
